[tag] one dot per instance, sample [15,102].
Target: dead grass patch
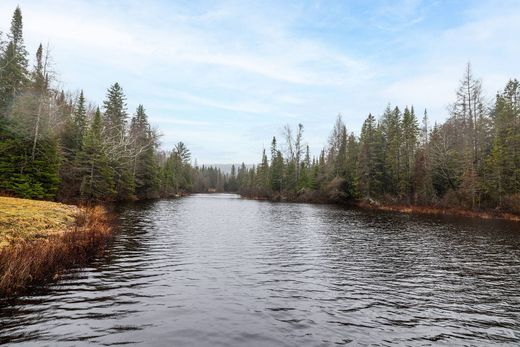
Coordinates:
[36,254]
[441,211]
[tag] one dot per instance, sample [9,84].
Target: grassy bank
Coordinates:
[40,239]
[433,210]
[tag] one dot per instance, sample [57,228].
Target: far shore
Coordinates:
[401,208]
[432,210]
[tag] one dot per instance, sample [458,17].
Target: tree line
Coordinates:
[472,160]
[56,145]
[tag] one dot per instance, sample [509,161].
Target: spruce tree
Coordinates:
[39,74]
[503,163]
[392,137]
[121,158]
[410,134]
[97,180]
[368,159]
[145,171]
[13,65]
[115,114]
[276,173]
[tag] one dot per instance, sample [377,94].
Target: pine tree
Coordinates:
[121,158]
[232,182]
[410,134]
[503,163]
[97,181]
[40,76]
[262,177]
[369,184]
[13,65]
[392,137]
[352,157]
[145,171]
[423,166]
[276,173]
[115,115]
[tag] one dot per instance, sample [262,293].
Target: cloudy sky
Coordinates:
[225,76]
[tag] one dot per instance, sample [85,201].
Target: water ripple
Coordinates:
[215,270]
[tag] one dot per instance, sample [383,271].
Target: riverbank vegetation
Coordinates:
[469,162]
[41,239]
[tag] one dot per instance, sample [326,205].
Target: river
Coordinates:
[217,270]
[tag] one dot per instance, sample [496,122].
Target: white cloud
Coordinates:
[209,73]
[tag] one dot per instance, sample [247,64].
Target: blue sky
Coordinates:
[225,76]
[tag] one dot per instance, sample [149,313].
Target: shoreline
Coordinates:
[42,256]
[400,208]
[438,211]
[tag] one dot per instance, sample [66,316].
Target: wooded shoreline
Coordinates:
[401,208]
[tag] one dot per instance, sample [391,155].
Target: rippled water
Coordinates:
[210,270]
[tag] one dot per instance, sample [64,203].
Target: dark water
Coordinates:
[216,270]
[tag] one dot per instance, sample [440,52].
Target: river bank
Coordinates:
[313,198]
[433,210]
[41,239]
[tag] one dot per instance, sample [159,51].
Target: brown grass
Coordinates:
[31,261]
[441,211]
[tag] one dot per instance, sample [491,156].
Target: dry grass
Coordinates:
[23,219]
[35,254]
[442,211]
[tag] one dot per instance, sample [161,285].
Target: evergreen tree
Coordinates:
[410,134]
[115,116]
[145,171]
[423,166]
[277,169]
[13,65]
[392,137]
[503,163]
[352,158]
[97,181]
[369,184]
[262,186]
[39,75]
[121,157]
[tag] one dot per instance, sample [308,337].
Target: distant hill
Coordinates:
[226,168]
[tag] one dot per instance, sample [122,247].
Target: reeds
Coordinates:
[28,262]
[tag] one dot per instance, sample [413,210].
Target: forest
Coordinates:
[470,161]
[56,145]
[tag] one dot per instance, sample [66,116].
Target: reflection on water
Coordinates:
[218,270]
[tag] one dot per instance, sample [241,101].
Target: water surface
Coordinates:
[217,270]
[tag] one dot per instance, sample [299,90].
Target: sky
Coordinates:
[226,76]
